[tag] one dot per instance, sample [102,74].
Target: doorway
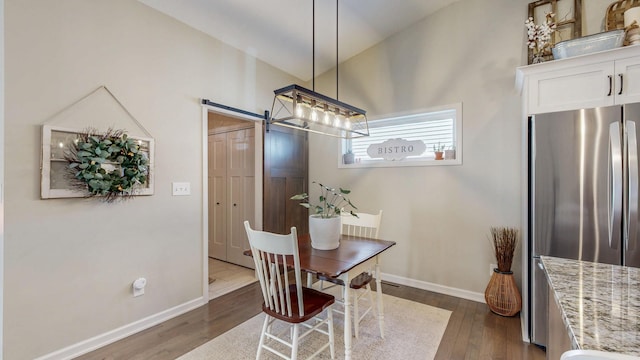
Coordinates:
[281,170]
[231,186]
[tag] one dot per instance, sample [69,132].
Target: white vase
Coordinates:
[449,154]
[324,232]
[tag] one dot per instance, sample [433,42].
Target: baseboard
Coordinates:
[441,289]
[109,337]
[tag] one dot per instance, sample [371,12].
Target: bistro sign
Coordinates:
[396,149]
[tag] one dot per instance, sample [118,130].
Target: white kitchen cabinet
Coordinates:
[578,87]
[588,81]
[557,332]
[627,80]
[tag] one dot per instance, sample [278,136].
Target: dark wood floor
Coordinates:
[473,332]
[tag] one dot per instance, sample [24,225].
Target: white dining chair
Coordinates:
[290,303]
[365,225]
[595,355]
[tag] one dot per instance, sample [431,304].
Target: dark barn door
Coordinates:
[286,172]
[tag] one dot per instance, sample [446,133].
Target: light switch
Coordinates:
[181,188]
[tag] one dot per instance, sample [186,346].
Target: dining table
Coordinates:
[352,257]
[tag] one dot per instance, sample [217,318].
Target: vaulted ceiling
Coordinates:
[280,32]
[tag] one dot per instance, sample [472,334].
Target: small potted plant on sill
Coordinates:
[502,295]
[324,224]
[450,153]
[438,151]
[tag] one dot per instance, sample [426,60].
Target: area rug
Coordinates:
[412,331]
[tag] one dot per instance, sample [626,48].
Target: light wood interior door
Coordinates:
[241,192]
[231,174]
[218,202]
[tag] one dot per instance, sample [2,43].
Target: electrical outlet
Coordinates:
[181,188]
[138,286]
[491,267]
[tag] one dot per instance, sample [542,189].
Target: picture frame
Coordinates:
[55,179]
[568,17]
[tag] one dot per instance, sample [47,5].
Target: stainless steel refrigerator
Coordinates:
[583,194]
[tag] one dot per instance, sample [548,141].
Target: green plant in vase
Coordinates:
[438,150]
[331,202]
[325,223]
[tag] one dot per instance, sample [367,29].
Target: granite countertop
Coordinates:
[600,303]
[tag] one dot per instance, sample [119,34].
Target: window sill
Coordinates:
[400,163]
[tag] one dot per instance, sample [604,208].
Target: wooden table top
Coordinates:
[352,251]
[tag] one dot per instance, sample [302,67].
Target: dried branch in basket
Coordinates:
[504,240]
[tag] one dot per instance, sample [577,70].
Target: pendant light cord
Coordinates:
[313,42]
[337,72]
[313,50]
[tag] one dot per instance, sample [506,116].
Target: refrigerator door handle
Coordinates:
[632,163]
[615,184]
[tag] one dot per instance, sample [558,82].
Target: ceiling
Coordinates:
[279,32]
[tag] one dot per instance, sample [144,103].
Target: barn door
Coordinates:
[286,173]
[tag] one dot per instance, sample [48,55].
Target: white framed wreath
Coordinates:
[111,165]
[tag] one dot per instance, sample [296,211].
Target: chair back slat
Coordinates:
[365,225]
[270,252]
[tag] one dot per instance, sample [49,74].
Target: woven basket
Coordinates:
[502,295]
[615,13]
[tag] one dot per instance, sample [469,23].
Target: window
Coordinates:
[433,137]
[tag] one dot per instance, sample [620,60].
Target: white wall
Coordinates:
[70,263]
[440,215]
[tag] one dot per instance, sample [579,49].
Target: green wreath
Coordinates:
[109,164]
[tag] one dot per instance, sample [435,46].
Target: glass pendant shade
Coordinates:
[304,109]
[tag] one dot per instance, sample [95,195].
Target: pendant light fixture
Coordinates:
[297,107]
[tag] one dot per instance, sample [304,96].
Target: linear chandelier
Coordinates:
[297,107]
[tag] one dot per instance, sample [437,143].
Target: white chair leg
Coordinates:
[374,308]
[262,336]
[294,344]
[356,313]
[331,333]
[372,301]
[379,300]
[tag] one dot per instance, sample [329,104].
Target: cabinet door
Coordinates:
[627,87]
[218,203]
[585,86]
[558,334]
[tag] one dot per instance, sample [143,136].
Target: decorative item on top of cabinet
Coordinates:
[615,13]
[539,39]
[502,295]
[568,22]
[625,15]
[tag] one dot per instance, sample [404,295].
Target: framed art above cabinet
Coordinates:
[568,19]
